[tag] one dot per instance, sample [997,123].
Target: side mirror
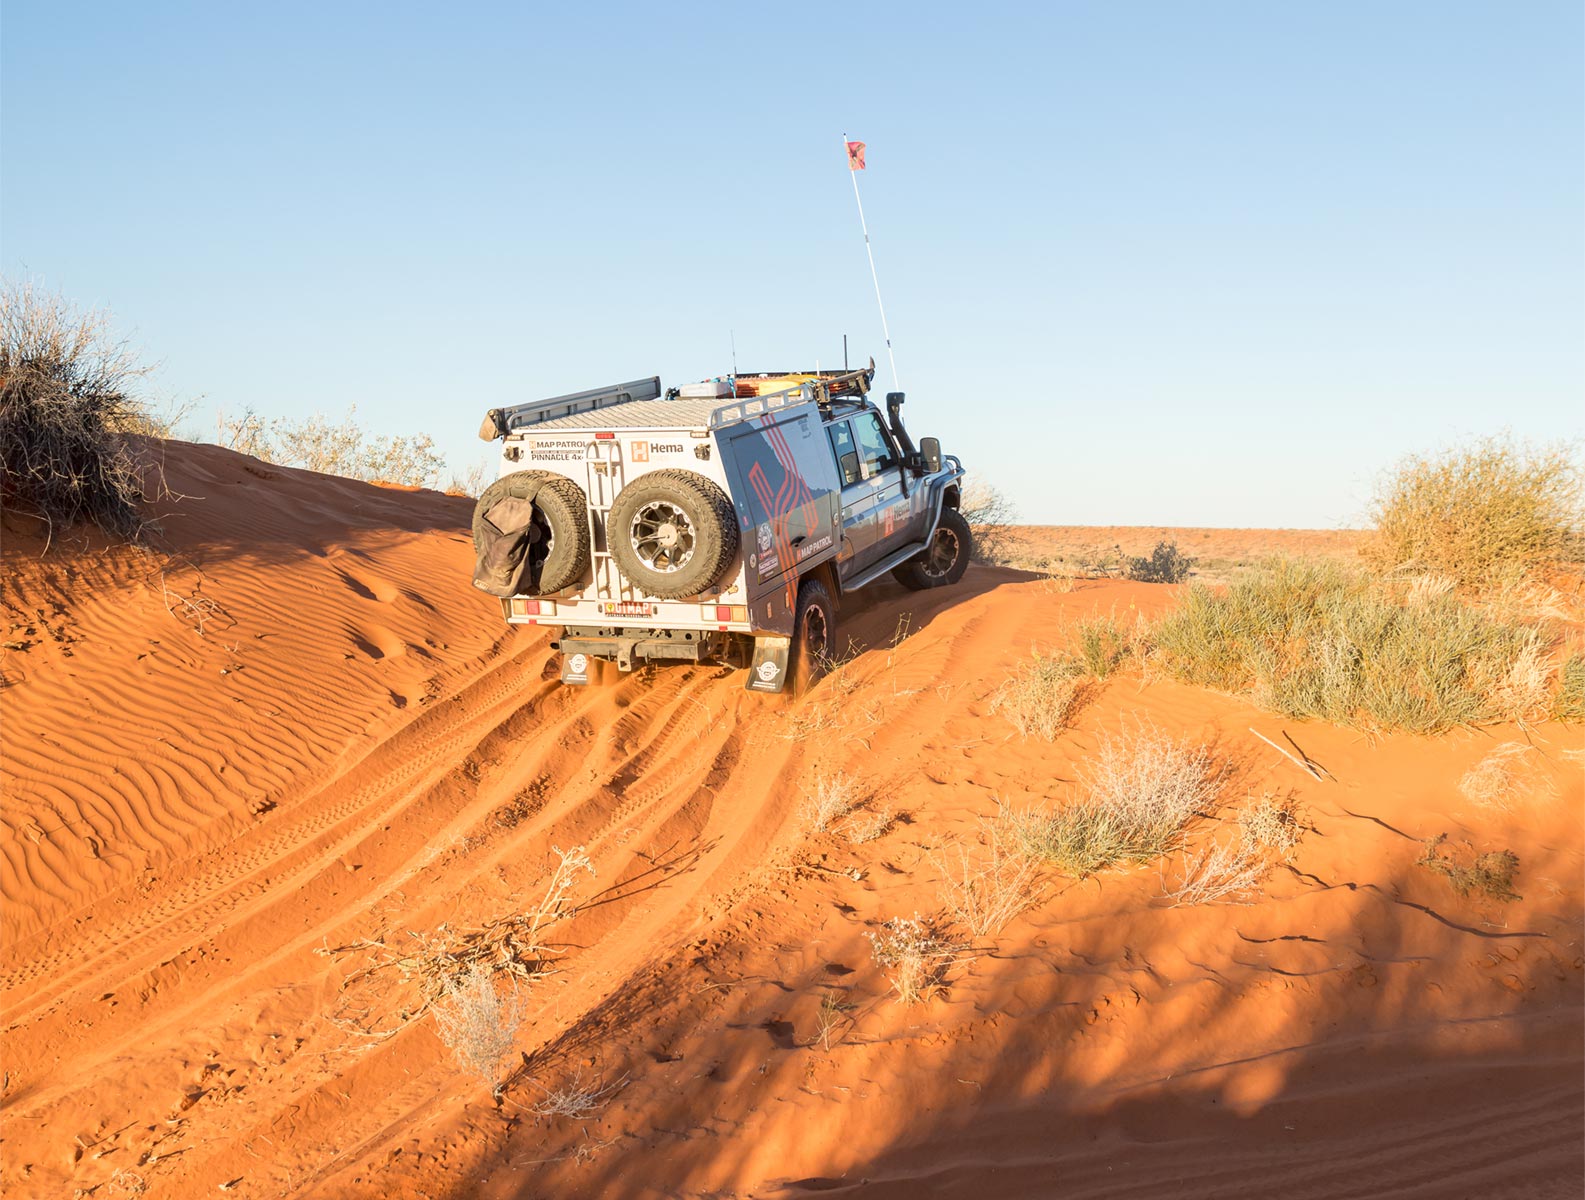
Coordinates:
[930,451]
[850,467]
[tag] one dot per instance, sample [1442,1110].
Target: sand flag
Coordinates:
[855,165]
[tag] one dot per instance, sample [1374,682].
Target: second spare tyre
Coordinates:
[530,535]
[672,533]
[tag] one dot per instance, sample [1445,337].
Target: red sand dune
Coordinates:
[354,750]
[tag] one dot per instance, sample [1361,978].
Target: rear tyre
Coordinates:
[672,533]
[945,559]
[814,630]
[555,538]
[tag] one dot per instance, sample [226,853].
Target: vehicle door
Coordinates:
[887,516]
[857,496]
[784,487]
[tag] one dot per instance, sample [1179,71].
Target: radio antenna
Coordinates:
[855,154]
[733,335]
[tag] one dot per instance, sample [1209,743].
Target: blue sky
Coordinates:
[1184,263]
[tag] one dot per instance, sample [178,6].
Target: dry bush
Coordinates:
[1504,778]
[1311,640]
[1041,696]
[1165,565]
[986,885]
[1569,703]
[68,398]
[915,954]
[992,516]
[1140,790]
[478,1023]
[1478,514]
[1490,873]
[344,448]
[830,796]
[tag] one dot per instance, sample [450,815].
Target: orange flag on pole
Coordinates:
[855,156]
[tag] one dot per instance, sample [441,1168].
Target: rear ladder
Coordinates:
[603,475]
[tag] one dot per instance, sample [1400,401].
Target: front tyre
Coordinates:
[945,559]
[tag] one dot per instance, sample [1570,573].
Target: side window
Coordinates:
[846,453]
[875,449]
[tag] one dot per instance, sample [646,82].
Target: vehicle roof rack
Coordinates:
[823,385]
[499,422]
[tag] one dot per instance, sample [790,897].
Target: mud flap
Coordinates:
[575,668]
[768,671]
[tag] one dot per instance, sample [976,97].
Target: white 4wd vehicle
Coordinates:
[723,521]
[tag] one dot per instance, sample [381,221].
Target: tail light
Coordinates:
[533,608]
[725,613]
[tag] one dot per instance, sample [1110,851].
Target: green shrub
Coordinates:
[1165,565]
[1041,696]
[1569,704]
[1490,874]
[1477,514]
[1310,640]
[1102,645]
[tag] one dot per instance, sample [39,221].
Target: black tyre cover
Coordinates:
[530,535]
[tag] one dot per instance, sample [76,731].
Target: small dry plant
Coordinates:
[1140,790]
[1224,870]
[577,1098]
[829,797]
[915,954]
[1272,825]
[833,1019]
[436,962]
[864,827]
[986,885]
[1041,696]
[479,1023]
[1504,778]
[1490,873]
[1228,869]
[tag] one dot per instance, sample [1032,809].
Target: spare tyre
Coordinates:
[672,533]
[530,535]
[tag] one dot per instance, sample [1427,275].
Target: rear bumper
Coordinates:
[624,646]
[767,657]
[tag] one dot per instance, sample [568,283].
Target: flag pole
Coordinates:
[896,382]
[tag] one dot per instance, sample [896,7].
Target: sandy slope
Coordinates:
[354,751]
